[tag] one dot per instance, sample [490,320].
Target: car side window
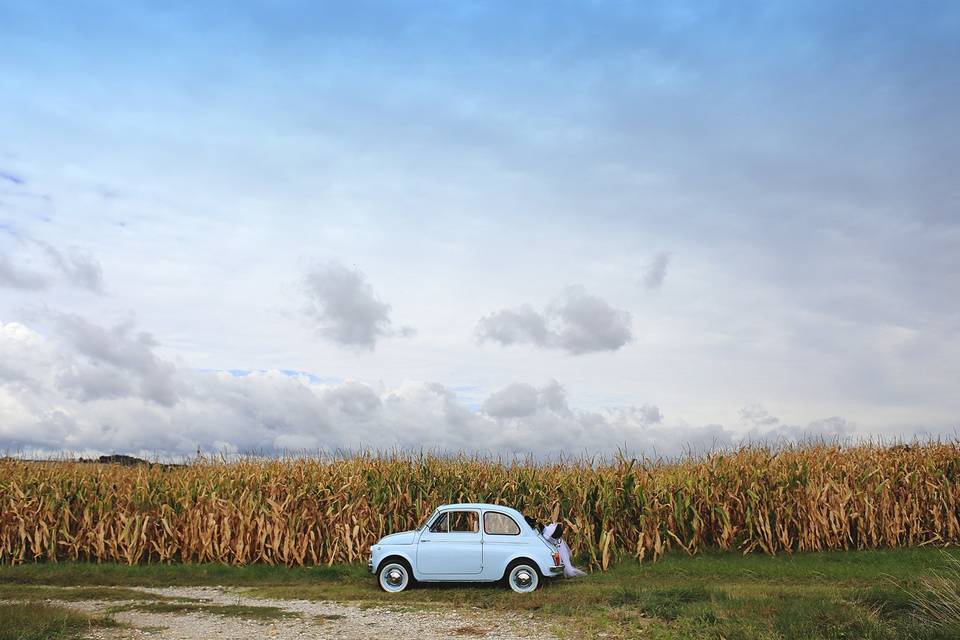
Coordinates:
[464,521]
[440,524]
[499,524]
[456,522]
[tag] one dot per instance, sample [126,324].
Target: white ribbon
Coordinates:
[569,571]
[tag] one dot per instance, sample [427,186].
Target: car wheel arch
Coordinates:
[396,557]
[521,560]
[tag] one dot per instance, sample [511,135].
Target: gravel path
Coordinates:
[308,620]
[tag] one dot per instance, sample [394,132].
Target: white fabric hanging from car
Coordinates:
[569,571]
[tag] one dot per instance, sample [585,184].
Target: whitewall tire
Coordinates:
[394,577]
[523,578]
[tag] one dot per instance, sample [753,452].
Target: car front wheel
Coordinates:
[394,577]
[523,578]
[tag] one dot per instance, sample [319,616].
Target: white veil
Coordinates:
[569,571]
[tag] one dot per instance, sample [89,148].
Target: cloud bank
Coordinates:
[576,322]
[88,388]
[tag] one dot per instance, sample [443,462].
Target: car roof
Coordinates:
[484,506]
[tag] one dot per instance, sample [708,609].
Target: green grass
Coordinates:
[34,592]
[37,621]
[666,604]
[66,574]
[813,596]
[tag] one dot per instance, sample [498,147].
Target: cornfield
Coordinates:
[309,511]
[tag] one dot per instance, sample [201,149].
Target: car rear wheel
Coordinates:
[523,578]
[394,577]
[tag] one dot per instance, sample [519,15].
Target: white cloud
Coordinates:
[656,271]
[513,401]
[576,322]
[347,311]
[110,360]
[32,265]
[16,277]
[756,415]
[76,268]
[515,326]
[825,429]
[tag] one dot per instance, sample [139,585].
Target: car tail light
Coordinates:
[556,558]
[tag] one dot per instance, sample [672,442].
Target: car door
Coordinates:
[501,539]
[451,545]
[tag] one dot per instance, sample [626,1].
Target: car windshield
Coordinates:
[424,522]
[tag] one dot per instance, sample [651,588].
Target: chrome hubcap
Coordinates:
[394,578]
[523,579]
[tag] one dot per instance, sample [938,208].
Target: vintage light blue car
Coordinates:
[467,543]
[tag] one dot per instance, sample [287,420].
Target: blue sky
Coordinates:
[744,216]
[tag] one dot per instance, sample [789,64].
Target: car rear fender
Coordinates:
[539,555]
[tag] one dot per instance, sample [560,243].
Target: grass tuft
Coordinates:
[326,618]
[937,599]
[666,604]
[38,621]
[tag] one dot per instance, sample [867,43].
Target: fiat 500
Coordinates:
[466,543]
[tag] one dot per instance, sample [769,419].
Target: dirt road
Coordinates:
[217,612]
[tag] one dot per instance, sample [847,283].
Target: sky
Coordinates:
[507,228]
